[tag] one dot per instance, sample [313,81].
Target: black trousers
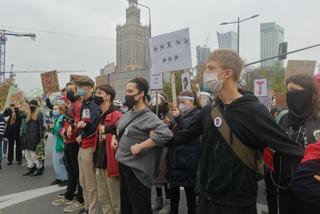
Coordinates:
[135,196]
[71,151]
[175,198]
[13,141]
[271,193]
[206,206]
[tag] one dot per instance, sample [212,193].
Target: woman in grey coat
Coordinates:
[34,130]
[141,135]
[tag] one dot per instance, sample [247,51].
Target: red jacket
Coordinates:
[112,164]
[73,115]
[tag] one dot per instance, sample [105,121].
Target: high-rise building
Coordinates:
[228,40]
[133,56]
[271,35]
[202,54]
[132,41]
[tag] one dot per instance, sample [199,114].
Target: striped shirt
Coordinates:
[2,126]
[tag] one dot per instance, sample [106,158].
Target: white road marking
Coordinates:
[16,198]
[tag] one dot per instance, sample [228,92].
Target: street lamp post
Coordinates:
[238,36]
[238,23]
[149,10]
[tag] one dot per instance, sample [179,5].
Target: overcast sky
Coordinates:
[98,18]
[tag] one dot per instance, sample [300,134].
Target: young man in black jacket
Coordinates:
[228,186]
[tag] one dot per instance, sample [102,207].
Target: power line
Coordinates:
[60,33]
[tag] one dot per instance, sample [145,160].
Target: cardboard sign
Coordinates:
[171,51]
[50,82]
[102,79]
[305,67]
[75,78]
[260,87]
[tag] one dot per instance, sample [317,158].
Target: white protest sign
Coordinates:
[260,87]
[156,81]
[171,51]
[185,79]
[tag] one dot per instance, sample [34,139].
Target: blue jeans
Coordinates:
[59,166]
[4,147]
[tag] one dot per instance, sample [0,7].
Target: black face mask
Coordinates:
[300,103]
[130,101]
[33,108]
[98,100]
[71,96]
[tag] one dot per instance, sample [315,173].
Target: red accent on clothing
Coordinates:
[112,163]
[268,158]
[89,141]
[312,152]
[74,111]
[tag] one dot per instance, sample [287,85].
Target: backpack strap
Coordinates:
[244,153]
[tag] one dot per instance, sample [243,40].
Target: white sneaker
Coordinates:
[61,201]
[75,206]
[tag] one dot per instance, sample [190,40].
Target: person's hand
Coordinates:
[81,125]
[166,120]
[136,149]
[102,128]
[79,139]
[151,132]
[175,112]
[69,131]
[317,177]
[114,143]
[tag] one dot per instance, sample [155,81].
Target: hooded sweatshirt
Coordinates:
[224,178]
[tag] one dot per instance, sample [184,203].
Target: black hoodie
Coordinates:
[222,174]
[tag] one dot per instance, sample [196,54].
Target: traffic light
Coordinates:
[283,48]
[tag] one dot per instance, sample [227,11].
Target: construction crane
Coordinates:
[3,41]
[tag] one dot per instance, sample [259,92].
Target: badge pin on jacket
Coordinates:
[217,122]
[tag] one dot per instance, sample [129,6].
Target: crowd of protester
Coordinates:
[216,146]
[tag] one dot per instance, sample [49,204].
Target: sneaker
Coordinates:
[55,182]
[75,206]
[19,163]
[157,204]
[60,195]
[166,208]
[61,201]
[9,163]
[37,172]
[63,183]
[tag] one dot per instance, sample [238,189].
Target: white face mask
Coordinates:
[215,84]
[183,108]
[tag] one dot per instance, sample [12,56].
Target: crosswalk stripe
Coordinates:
[16,198]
